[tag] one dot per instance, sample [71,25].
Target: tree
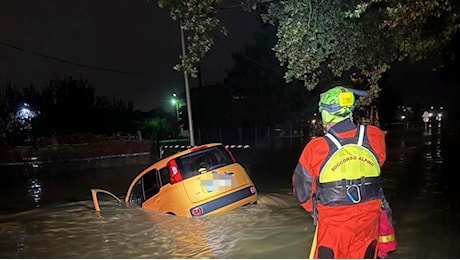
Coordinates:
[14,128]
[355,41]
[65,106]
[199,18]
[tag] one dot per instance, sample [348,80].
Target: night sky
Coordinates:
[126,48]
[421,85]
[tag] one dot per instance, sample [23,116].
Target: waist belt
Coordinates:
[346,183]
[348,192]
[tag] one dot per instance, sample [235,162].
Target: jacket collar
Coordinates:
[342,126]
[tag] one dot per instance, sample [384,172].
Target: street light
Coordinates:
[175,102]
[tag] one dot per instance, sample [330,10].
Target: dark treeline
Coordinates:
[68,106]
[65,106]
[254,94]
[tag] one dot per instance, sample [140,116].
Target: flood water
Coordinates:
[51,215]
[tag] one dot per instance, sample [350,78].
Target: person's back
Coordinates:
[337,180]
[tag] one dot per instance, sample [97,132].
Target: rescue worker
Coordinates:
[337,180]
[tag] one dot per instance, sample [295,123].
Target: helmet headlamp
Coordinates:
[346,99]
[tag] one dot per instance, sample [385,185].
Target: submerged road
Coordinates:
[419,179]
[420,182]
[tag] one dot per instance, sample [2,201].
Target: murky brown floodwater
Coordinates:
[418,179]
[76,231]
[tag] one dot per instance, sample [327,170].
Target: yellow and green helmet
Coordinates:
[336,104]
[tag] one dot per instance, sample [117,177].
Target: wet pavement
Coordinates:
[419,179]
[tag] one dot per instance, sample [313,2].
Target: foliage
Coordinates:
[354,39]
[360,37]
[11,127]
[199,18]
[157,124]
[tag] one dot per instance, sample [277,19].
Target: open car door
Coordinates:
[94,193]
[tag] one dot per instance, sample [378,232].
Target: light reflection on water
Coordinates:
[35,191]
[75,230]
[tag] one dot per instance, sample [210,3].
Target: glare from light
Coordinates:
[25,112]
[439,117]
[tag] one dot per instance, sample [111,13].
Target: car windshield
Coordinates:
[202,161]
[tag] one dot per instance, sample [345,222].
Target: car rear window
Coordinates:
[203,160]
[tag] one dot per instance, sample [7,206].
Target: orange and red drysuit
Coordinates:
[343,231]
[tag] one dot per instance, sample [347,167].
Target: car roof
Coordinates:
[193,149]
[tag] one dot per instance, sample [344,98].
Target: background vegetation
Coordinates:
[319,42]
[304,47]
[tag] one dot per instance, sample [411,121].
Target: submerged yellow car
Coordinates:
[202,180]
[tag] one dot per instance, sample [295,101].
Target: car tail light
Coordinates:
[197,211]
[174,173]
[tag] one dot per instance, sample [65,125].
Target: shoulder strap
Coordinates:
[361,135]
[339,145]
[334,140]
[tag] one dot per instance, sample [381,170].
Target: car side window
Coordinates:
[164,176]
[147,186]
[151,183]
